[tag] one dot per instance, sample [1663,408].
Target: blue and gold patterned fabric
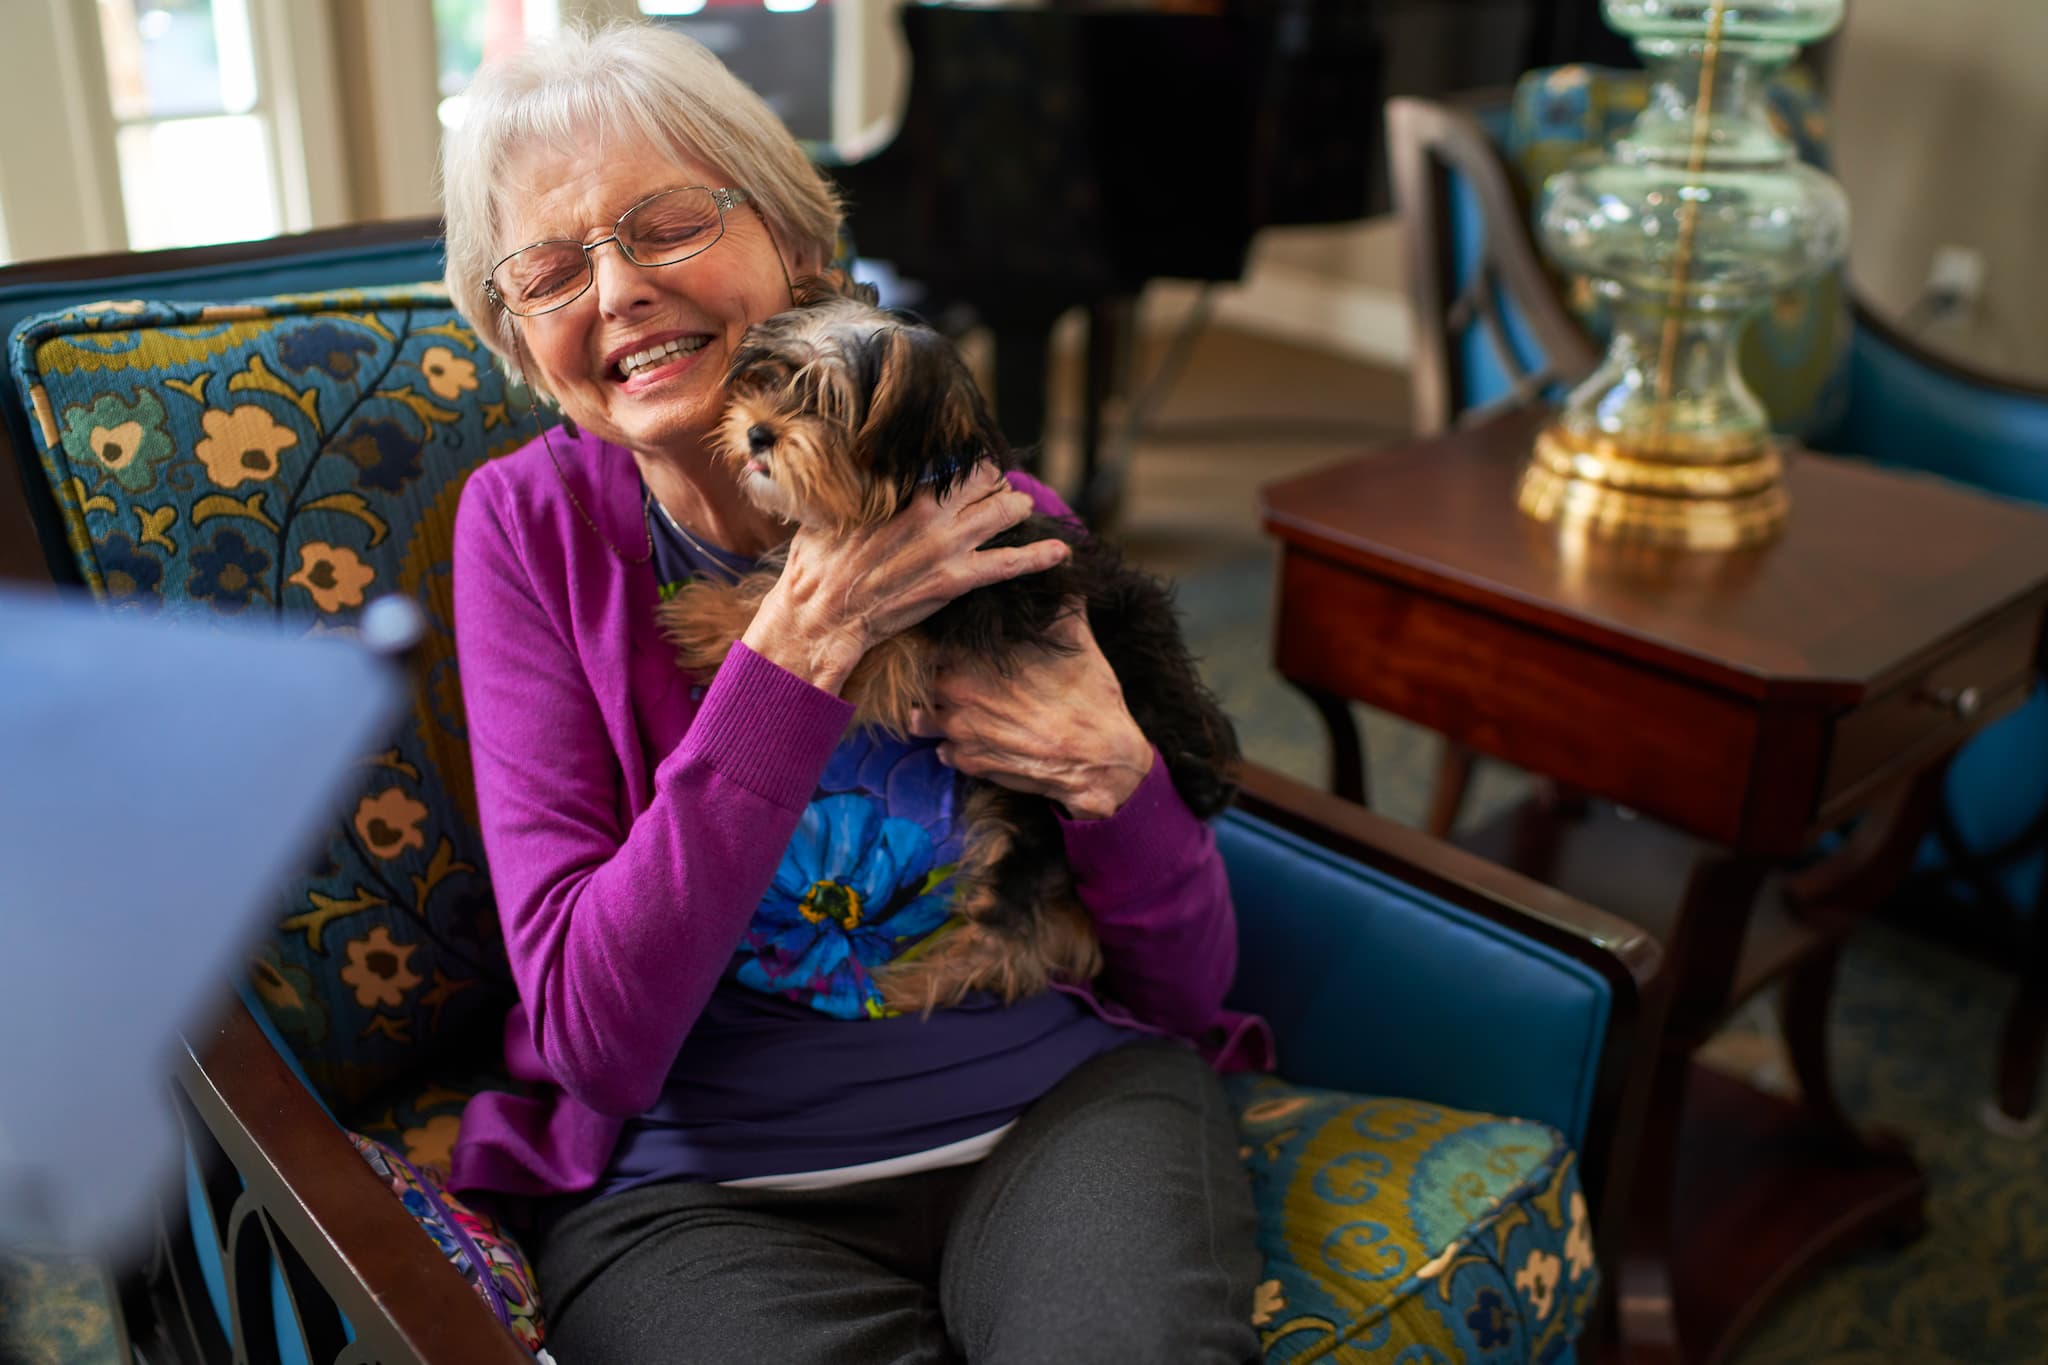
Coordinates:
[1396,1231]
[1794,356]
[294,458]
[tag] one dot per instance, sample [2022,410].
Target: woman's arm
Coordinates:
[617,930]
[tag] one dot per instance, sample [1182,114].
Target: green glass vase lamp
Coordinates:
[1687,225]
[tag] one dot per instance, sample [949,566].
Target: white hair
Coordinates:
[623,82]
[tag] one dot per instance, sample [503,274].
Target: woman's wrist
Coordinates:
[1114,781]
[822,654]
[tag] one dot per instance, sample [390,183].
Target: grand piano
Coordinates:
[1063,154]
[1054,158]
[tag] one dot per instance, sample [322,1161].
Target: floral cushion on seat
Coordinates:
[294,458]
[473,1242]
[1398,1231]
[1794,356]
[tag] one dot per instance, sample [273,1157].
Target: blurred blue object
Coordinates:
[193,741]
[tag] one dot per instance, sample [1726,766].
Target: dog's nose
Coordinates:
[760,439]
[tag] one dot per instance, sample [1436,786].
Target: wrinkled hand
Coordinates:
[840,595]
[1057,727]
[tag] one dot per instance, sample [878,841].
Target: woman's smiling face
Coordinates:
[695,309]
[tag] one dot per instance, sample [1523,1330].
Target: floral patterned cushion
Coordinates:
[1794,356]
[1398,1231]
[294,458]
[473,1242]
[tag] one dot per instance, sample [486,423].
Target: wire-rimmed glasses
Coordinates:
[661,229]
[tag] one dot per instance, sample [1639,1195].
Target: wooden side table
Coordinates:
[1749,703]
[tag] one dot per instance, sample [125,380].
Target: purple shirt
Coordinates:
[767,1087]
[634,827]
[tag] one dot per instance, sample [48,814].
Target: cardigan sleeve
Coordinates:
[1154,883]
[617,927]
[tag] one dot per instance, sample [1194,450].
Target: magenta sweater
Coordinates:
[632,828]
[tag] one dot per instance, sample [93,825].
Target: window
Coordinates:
[467,33]
[191,134]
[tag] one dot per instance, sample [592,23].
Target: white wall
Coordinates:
[1941,132]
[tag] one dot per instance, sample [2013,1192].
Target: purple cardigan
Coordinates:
[632,828]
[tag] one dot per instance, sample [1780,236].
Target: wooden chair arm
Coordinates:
[306,1196]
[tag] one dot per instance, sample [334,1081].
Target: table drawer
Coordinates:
[1935,706]
[1602,724]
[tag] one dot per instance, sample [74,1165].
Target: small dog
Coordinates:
[838,413]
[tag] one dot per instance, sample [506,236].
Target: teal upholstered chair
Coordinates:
[282,430]
[1494,328]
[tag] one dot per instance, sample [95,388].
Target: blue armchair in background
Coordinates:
[1494,328]
[281,429]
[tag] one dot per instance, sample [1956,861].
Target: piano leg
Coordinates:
[1099,490]
[1022,374]
[1021,344]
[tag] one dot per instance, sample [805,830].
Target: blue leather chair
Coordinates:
[1388,963]
[1492,329]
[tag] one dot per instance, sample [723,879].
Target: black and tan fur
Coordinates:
[844,411]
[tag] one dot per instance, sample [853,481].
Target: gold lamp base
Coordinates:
[1700,497]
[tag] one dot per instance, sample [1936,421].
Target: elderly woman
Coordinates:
[733,1151]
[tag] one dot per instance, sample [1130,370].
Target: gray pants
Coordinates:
[1114,1223]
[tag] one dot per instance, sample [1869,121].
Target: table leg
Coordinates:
[1838,893]
[1699,968]
[1453,779]
[1740,1192]
[2026,1026]
[1347,745]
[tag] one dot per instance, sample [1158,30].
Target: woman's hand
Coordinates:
[839,596]
[1057,727]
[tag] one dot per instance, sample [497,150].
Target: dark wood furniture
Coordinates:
[1456,304]
[1749,703]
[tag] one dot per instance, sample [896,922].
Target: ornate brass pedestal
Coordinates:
[1703,495]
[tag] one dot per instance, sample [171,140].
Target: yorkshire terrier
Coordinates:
[838,413]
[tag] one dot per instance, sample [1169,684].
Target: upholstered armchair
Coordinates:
[1494,327]
[282,430]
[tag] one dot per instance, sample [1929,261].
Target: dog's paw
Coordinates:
[703,621]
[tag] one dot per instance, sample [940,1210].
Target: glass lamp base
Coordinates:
[1712,498]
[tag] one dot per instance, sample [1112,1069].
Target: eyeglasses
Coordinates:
[659,230]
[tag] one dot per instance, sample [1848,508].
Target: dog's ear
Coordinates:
[832,284]
[926,422]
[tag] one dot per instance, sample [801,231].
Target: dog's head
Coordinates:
[839,411]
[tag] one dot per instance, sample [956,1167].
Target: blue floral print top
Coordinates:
[867,876]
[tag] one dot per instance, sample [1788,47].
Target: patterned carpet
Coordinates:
[1914,1036]
[54,1310]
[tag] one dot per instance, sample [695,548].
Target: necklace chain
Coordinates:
[533,408]
[713,557]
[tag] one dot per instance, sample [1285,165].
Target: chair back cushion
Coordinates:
[294,458]
[1794,355]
